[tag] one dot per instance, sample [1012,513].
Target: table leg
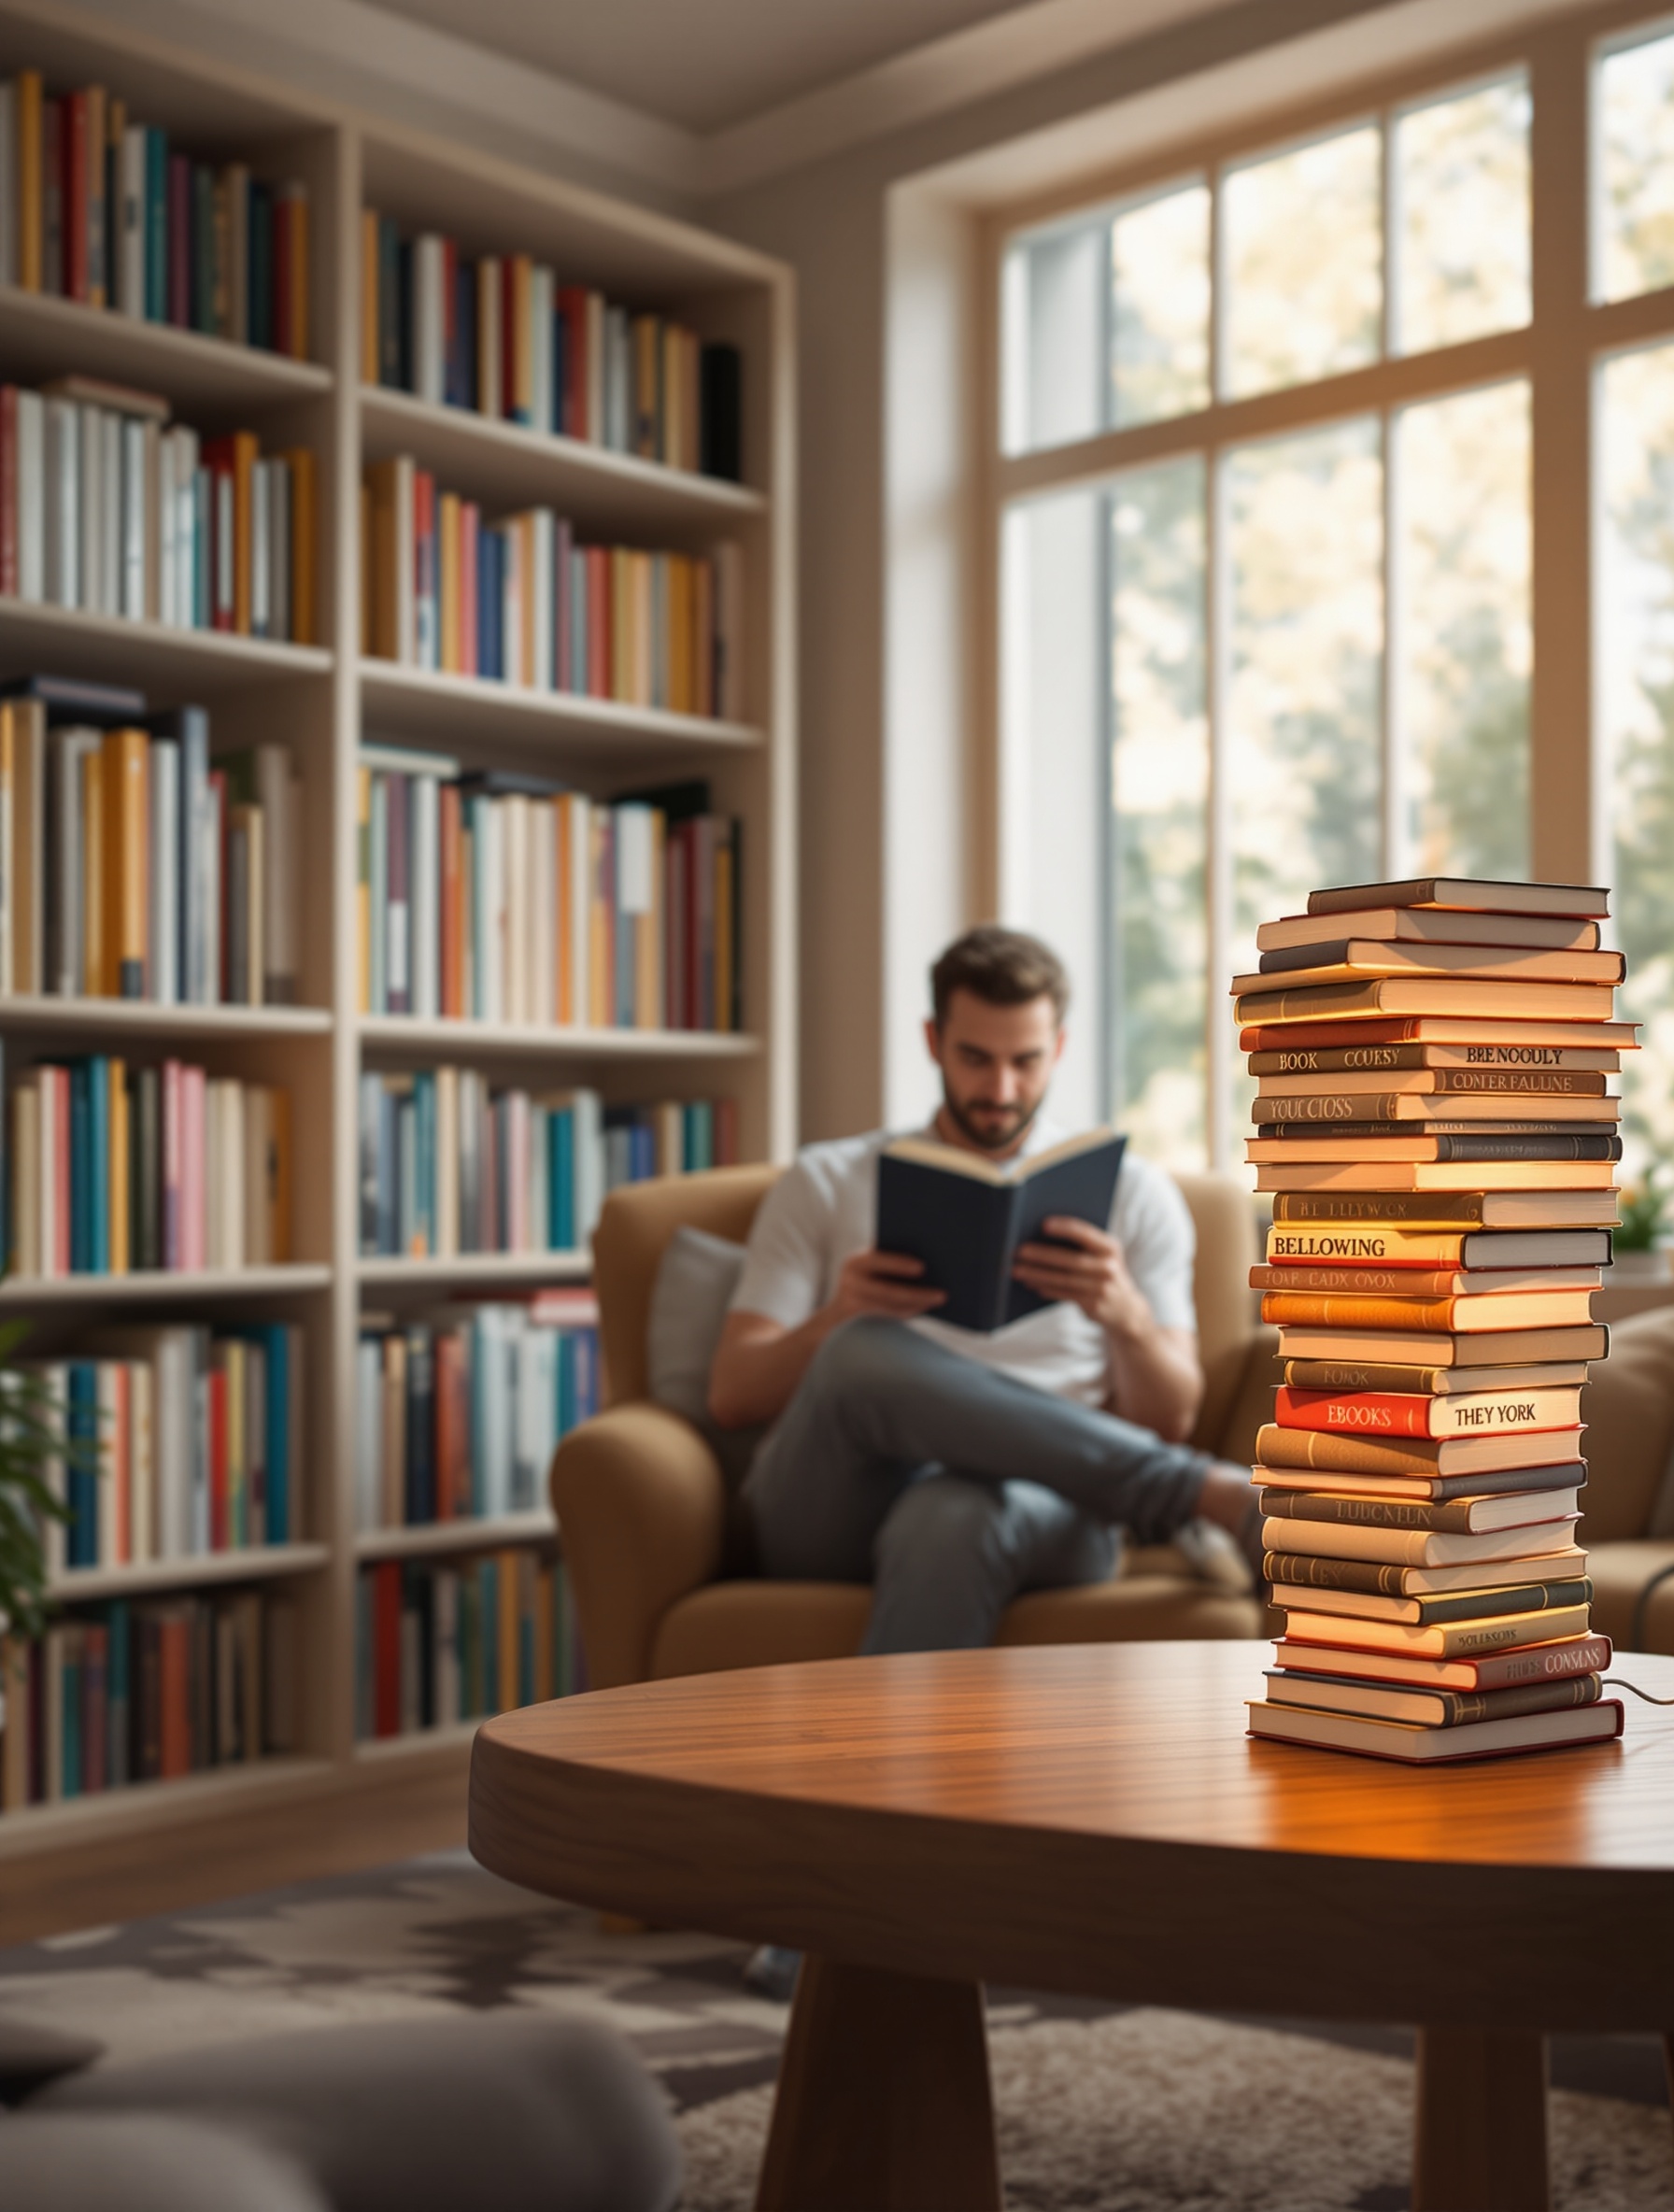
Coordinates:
[883,2097]
[1481,2139]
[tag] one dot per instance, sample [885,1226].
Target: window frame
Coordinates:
[1559,351]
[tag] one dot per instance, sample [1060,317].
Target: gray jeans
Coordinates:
[900,1462]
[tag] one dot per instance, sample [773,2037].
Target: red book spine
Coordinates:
[386,1648]
[220,1515]
[726,1132]
[1362,1412]
[180,241]
[75,196]
[573,301]
[8,490]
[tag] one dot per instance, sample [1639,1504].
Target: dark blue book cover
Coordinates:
[119,1674]
[964,1216]
[85,1466]
[261,265]
[421,1501]
[156,224]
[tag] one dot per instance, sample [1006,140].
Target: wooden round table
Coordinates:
[1094,1819]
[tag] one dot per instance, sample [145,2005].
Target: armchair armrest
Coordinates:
[641,1510]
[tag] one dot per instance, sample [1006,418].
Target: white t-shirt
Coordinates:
[823,1210]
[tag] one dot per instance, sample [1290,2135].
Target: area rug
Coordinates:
[1102,2108]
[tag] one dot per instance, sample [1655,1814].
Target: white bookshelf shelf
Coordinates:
[454,1535]
[256,1562]
[424,703]
[543,1040]
[40,335]
[146,1808]
[114,650]
[161,1287]
[103,1019]
[508,466]
[475,1268]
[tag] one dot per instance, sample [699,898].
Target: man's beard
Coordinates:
[990,1139]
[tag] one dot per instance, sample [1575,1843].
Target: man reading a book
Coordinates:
[953,1468]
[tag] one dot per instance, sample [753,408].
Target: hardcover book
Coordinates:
[965,1216]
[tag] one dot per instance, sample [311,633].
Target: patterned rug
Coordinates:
[1102,2108]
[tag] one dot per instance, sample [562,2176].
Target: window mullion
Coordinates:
[1218,869]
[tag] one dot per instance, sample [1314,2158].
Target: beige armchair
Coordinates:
[642,1503]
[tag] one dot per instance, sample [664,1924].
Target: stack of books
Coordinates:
[500,896]
[520,600]
[108,508]
[1439,1134]
[457,1416]
[99,207]
[504,336]
[146,1692]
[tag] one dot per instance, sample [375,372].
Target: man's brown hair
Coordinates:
[1001,967]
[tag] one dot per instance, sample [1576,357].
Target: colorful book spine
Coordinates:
[441,1643]
[148,1690]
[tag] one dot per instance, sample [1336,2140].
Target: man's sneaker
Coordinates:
[1215,1555]
[771,1972]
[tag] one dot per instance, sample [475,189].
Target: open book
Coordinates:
[964,1216]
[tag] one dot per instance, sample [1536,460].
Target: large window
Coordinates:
[1285,437]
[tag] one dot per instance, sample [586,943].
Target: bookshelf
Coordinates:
[335,1803]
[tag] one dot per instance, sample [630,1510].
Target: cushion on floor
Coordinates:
[138,2162]
[527,2114]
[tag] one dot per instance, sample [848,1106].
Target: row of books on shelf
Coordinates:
[520,600]
[505,898]
[437,1643]
[134,865]
[177,1441]
[100,208]
[451,1164]
[147,1689]
[457,1416]
[502,335]
[112,1168]
[108,508]
[1435,1121]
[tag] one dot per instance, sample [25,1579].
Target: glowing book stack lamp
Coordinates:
[1436,1125]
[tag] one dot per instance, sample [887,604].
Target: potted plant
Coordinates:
[31,1437]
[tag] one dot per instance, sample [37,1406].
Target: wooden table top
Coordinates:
[948,1802]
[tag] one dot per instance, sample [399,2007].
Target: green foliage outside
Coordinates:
[31,1436]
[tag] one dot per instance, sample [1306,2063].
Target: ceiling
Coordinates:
[703,64]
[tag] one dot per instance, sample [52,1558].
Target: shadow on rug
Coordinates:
[1101,2109]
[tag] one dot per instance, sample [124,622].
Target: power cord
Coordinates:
[1615,1681]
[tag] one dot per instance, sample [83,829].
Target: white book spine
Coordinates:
[63,504]
[165,885]
[31,497]
[280,620]
[589,1163]
[406,594]
[261,477]
[580,815]
[89,523]
[174,1423]
[540,315]
[543,871]
[110,522]
[544,537]
[425,894]
[369,1437]
[135,520]
[514,820]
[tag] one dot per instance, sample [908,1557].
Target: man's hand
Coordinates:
[882,1283]
[1094,1276]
